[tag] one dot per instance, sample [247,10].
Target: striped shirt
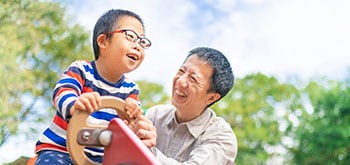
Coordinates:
[81,77]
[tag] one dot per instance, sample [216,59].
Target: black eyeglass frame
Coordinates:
[130,36]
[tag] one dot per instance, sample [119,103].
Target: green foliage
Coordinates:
[258,109]
[37,44]
[323,135]
[152,94]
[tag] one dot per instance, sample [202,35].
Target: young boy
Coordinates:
[118,43]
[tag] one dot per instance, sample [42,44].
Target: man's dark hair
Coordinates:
[107,22]
[222,79]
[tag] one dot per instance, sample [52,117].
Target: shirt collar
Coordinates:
[195,126]
[171,118]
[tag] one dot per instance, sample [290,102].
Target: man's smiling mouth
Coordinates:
[177,92]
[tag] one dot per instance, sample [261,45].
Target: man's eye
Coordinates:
[181,71]
[193,79]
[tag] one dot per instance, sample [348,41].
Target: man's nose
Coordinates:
[183,81]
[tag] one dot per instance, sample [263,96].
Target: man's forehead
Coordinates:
[197,66]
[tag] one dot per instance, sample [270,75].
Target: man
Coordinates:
[189,132]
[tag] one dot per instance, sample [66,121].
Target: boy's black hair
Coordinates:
[107,22]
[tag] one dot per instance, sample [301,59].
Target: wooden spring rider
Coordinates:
[121,145]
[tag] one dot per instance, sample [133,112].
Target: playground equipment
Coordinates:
[121,145]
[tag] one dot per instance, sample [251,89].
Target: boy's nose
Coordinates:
[137,46]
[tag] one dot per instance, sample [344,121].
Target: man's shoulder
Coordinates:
[162,108]
[219,123]
[220,131]
[159,111]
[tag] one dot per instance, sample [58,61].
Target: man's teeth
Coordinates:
[180,93]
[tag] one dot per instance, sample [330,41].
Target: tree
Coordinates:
[36,45]
[324,134]
[152,94]
[259,109]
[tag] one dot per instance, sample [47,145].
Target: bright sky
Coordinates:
[281,38]
[305,38]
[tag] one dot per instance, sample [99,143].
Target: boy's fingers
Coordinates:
[92,101]
[132,108]
[97,99]
[87,101]
[137,111]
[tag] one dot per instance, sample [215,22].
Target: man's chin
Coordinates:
[178,101]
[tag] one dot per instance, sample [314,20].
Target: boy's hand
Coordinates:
[90,101]
[132,108]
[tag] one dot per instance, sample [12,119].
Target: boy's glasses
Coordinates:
[133,37]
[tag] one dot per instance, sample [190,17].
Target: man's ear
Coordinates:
[102,41]
[212,97]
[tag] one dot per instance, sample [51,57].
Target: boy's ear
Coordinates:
[101,41]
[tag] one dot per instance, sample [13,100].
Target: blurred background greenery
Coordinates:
[294,122]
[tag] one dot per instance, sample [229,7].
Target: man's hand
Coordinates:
[145,130]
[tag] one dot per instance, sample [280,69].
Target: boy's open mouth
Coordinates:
[133,57]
